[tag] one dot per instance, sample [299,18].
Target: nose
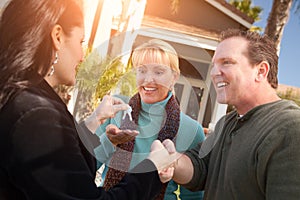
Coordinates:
[149,78]
[215,71]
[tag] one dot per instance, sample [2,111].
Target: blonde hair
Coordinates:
[162,52]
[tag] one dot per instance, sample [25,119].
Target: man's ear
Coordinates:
[57,36]
[262,71]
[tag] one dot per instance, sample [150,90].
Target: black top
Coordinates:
[45,154]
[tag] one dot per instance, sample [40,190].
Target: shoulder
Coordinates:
[189,134]
[284,114]
[31,103]
[187,121]
[279,125]
[33,98]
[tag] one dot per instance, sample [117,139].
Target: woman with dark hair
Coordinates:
[45,154]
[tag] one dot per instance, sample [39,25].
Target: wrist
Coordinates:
[92,123]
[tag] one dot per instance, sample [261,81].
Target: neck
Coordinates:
[257,99]
[51,80]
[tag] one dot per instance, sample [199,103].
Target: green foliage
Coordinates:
[252,11]
[89,71]
[290,94]
[127,84]
[98,76]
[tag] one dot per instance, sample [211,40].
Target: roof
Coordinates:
[152,21]
[226,7]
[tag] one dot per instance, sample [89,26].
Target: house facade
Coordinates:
[193,30]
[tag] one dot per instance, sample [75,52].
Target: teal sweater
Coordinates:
[190,133]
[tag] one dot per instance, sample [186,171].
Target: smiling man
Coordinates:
[254,150]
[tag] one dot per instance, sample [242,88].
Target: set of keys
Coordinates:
[128,112]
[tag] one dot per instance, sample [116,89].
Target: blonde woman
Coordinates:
[155,114]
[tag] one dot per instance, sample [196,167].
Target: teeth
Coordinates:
[221,84]
[149,89]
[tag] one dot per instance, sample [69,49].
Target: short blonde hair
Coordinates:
[162,52]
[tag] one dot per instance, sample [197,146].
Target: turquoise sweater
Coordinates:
[190,133]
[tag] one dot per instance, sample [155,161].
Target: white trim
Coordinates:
[229,13]
[178,38]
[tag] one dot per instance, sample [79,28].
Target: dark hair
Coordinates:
[26,47]
[260,48]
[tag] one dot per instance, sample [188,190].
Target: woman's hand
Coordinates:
[164,156]
[108,108]
[166,175]
[117,136]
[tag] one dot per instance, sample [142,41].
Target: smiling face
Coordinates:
[157,70]
[154,80]
[232,74]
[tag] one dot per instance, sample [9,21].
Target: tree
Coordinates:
[246,7]
[277,20]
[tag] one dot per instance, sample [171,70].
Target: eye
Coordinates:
[141,70]
[160,72]
[226,62]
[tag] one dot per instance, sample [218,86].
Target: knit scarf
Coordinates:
[121,159]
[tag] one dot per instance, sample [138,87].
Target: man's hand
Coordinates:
[164,157]
[117,136]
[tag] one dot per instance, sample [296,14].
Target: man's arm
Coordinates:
[184,170]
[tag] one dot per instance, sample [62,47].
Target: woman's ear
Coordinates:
[57,36]
[176,76]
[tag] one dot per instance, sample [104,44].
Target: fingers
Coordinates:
[169,145]
[119,107]
[112,129]
[157,145]
[131,133]
[116,100]
[166,175]
[117,136]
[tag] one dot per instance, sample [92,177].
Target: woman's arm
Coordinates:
[47,161]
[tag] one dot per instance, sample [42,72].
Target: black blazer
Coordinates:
[45,154]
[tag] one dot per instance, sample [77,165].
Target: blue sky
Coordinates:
[289,64]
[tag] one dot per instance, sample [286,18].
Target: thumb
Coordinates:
[169,145]
[157,145]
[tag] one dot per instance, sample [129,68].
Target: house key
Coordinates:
[128,112]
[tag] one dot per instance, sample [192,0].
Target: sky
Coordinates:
[289,64]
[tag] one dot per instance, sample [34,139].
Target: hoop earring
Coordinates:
[53,63]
